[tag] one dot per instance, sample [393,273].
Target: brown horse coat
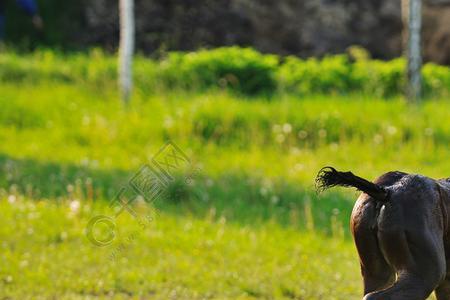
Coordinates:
[400,227]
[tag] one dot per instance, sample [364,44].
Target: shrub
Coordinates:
[337,74]
[332,74]
[436,80]
[241,69]
[379,78]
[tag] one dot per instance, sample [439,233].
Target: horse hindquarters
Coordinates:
[410,236]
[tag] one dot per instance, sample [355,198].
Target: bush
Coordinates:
[379,78]
[436,80]
[332,74]
[240,69]
[338,75]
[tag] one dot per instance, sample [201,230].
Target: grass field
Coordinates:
[178,256]
[248,225]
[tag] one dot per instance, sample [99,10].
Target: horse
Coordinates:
[399,224]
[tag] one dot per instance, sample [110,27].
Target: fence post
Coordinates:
[126,48]
[414,88]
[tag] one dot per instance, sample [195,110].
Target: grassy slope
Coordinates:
[258,159]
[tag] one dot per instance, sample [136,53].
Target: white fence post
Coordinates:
[126,48]
[414,89]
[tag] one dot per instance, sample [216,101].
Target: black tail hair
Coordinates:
[329,177]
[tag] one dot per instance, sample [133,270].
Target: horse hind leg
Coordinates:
[419,260]
[376,272]
[443,290]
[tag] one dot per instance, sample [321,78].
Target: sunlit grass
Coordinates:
[46,255]
[249,226]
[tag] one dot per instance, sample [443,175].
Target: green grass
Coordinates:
[174,257]
[249,225]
